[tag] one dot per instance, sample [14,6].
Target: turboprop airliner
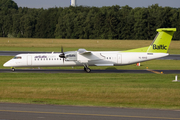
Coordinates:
[82,57]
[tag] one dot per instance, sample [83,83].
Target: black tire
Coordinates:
[13,69]
[84,69]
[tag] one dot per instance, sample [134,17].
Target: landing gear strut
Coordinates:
[88,70]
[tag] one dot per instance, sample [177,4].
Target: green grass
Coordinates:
[115,90]
[49,45]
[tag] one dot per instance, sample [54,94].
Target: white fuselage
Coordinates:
[99,58]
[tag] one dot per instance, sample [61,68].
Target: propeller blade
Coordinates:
[62,55]
[62,49]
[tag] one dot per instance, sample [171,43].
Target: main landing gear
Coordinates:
[88,70]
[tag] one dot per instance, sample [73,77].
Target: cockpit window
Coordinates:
[17,57]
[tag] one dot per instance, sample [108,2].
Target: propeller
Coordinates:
[62,55]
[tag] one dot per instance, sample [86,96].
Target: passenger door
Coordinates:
[119,59]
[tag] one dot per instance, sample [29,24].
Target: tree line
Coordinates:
[83,22]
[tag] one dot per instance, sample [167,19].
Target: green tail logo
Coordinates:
[159,47]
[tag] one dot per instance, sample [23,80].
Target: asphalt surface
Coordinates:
[13,53]
[9,111]
[93,71]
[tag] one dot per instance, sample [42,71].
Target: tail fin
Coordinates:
[160,43]
[162,40]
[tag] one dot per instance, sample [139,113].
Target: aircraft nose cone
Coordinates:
[7,64]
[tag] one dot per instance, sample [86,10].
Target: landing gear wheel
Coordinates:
[88,70]
[13,69]
[84,69]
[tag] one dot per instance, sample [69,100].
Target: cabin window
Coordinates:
[17,57]
[54,58]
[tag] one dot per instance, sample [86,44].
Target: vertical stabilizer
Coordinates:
[162,40]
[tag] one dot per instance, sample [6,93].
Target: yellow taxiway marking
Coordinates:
[155,71]
[83,114]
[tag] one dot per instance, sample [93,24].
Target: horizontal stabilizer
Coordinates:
[166,29]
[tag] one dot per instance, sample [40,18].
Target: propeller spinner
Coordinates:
[62,55]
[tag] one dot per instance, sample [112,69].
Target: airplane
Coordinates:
[82,57]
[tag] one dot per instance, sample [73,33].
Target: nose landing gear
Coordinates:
[13,69]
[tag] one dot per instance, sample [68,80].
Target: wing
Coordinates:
[85,56]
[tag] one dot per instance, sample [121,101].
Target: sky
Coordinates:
[97,3]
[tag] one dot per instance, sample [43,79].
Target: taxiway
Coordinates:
[9,111]
[93,71]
